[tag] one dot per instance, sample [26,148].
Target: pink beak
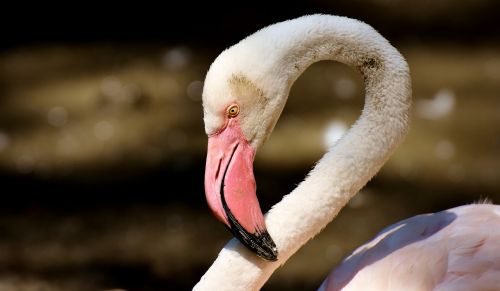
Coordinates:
[231,192]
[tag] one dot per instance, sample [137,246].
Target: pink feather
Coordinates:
[455,249]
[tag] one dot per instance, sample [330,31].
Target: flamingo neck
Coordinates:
[350,163]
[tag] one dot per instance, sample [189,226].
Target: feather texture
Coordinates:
[448,250]
[455,249]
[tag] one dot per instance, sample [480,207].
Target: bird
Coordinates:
[244,93]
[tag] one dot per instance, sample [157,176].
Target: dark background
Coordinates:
[222,24]
[113,219]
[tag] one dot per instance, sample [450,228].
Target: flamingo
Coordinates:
[245,91]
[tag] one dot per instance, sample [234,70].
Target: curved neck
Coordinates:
[348,165]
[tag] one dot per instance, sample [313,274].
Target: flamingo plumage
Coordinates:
[455,249]
[245,91]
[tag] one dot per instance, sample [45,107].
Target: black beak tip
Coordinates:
[260,243]
[267,250]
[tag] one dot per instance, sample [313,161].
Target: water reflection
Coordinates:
[344,88]
[334,131]
[438,107]
[194,90]
[492,68]
[103,130]
[177,58]
[4,141]
[57,116]
[117,95]
[67,144]
[444,149]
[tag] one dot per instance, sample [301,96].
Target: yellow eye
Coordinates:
[233,110]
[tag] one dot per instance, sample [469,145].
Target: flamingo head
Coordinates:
[239,114]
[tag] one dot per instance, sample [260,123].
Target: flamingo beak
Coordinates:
[231,192]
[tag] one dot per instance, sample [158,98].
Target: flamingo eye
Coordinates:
[233,111]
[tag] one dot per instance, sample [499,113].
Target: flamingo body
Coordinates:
[455,249]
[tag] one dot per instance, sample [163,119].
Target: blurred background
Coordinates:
[102,146]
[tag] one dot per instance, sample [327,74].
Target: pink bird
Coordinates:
[245,91]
